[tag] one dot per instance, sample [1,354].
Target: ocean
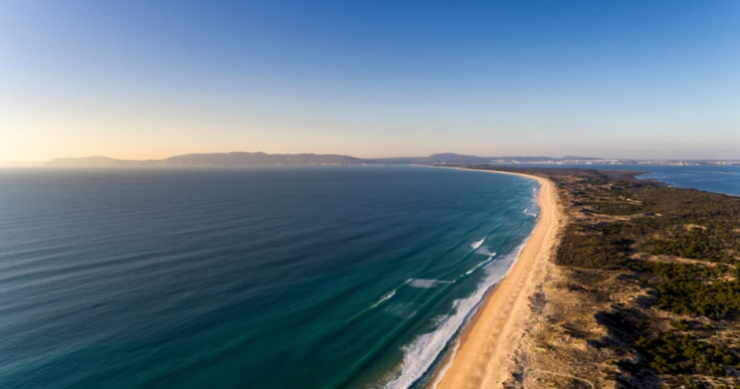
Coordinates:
[311,277]
[720,179]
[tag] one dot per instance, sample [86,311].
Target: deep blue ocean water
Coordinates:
[334,277]
[268,278]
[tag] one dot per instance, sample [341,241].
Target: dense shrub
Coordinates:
[697,244]
[692,289]
[618,208]
[591,251]
[619,224]
[668,353]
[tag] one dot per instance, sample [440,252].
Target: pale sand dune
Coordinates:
[486,353]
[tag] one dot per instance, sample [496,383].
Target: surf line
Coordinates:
[380,301]
[477,244]
[424,283]
[469,272]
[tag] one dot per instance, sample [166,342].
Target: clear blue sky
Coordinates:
[150,79]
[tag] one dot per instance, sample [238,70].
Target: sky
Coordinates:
[152,79]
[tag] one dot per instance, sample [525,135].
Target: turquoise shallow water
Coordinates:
[255,278]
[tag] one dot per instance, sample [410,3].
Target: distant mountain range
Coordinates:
[238,159]
[244,159]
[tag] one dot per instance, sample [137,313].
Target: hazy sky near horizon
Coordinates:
[152,79]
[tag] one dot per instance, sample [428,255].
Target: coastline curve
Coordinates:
[485,354]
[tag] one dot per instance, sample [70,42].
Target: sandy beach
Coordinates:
[486,354]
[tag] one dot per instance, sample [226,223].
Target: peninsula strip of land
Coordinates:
[642,290]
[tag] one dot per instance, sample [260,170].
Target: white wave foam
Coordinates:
[534,206]
[402,310]
[437,320]
[485,251]
[469,272]
[477,244]
[425,283]
[446,367]
[383,299]
[421,354]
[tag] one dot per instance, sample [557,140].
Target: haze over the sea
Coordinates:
[167,218]
[149,80]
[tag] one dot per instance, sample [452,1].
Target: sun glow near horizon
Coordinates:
[142,81]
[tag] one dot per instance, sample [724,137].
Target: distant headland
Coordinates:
[244,159]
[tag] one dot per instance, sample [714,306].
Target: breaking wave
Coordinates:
[476,267]
[385,298]
[485,251]
[421,354]
[425,284]
[477,244]
[534,206]
[380,301]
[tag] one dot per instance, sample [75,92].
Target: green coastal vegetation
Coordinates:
[679,249]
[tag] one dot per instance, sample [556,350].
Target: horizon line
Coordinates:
[561,156]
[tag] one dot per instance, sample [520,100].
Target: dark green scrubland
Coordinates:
[682,247]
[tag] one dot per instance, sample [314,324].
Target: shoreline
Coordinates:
[488,343]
